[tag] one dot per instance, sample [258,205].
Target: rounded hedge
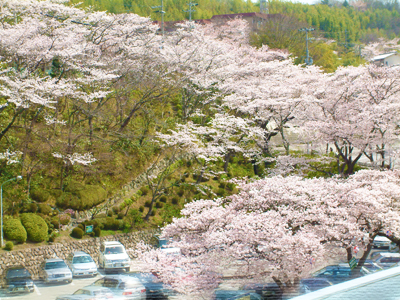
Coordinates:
[97,231]
[14,230]
[9,246]
[77,233]
[36,228]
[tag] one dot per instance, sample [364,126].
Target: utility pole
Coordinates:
[190,10]
[263,7]
[308,60]
[162,12]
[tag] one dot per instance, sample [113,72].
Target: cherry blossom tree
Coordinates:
[277,227]
[355,110]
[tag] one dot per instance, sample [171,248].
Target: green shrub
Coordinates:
[135,217]
[32,207]
[36,228]
[14,230]
[65,219]
[183,179]
[147,203]
[222,185]
[121,215]
[55,222]
[112,224]
[79,196]
[9,246]
[141,209]
[110,213]
[81,226]
[186,174]
[45,209]
[39,195]
[145,190]
[221,192]
[77,233]
[153,213]
[230,186]
[53,237]
[97,231]
[116,209]
[175,200]
[181,192]
[163,199]
[159,204]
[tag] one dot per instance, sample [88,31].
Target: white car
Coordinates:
[122,285]
[81,264]
[383,242]
[386,259]
[113,256]
[90,293]
[55,270]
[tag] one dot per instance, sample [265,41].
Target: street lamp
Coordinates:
[1,205]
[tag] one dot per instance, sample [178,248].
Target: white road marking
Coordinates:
[36,290]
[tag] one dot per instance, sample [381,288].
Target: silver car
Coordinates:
[123,285]
[81,264]
[55,270]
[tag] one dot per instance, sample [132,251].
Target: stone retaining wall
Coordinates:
[32,258]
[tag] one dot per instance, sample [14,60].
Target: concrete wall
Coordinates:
[32,258]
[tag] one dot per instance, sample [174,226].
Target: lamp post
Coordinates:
[1,205]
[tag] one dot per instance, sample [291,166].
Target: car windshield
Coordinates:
[55,265]
[18,273]
[82,259]
[114,250]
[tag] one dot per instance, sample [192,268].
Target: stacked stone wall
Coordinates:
[32,258]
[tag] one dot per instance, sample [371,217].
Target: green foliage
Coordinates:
[163,198]
[13,230]
[77,233]
[135,217]
[141,209]
[159,204]
[9,246]
[181,192]
[147,203]
[168,213]
[175,200]
[97,231]
[81,197]
[55,222]
[144,190]
[221,192]
[39,195]
[174,9]
[110,213]
[45,209]
[36,228]
[230,186]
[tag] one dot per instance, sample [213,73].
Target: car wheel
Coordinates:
[69,280]
[127,269]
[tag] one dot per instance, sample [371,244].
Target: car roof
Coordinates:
[387,254]
[123,277]
[112,243]
[94,288]
[53,259]
[80,253]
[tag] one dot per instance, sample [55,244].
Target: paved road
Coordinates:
[50,291]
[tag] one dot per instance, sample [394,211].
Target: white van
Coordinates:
[113,256]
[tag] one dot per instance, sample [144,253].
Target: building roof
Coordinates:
[383,56]
[241,15]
